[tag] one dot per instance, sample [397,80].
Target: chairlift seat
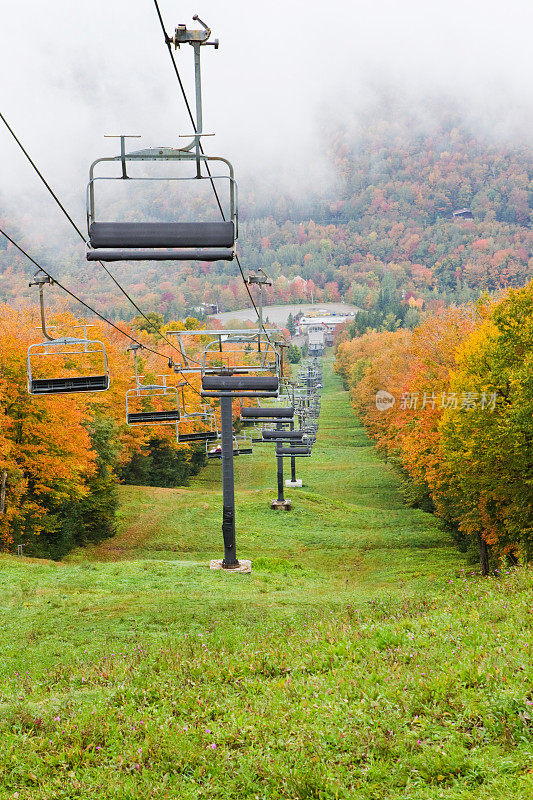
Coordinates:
[273,420]
[62,347]
[162,254]
[238,394]
[243,451]
[89,383]
[139,417]
[290,454]
[201,436]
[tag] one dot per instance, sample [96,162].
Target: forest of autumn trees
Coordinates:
[61,457]
[461,425]
[386,209]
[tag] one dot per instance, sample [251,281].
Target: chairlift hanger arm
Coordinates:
[189,111]
[198,39]
[40,279]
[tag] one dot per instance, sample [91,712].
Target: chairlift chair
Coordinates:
[149,392]
[153,391]
[97,380]
[161,241]
[206,416]
[230,365]
[240,353]
[242,445]
[196,436]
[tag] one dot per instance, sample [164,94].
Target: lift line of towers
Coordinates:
[234,364]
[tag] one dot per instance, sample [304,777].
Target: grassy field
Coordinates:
[362,658]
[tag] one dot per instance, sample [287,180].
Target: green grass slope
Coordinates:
[360,659]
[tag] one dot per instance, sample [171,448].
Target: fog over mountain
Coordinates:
[284,74]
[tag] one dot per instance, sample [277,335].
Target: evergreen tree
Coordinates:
[160,464]
[294,354]
[291,325]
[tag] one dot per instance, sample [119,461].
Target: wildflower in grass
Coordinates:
[213,746]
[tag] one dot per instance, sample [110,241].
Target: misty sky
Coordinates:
[73,70]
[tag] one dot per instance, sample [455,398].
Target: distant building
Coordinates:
[463,213]
[330,321]
[316,335]
[320,328]
[209,309]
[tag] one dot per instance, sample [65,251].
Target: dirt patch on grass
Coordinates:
[124,545]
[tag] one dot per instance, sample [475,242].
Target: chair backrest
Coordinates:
[264,412]
[276,435]
[239,386]
[161,234]
[233,383]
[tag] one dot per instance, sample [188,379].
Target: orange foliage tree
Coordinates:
[461,425]
[45,450]
[489,449]
[61,455]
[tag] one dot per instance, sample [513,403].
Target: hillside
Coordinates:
[395,181]
[362,658]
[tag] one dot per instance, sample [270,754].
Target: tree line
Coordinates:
[450,403]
